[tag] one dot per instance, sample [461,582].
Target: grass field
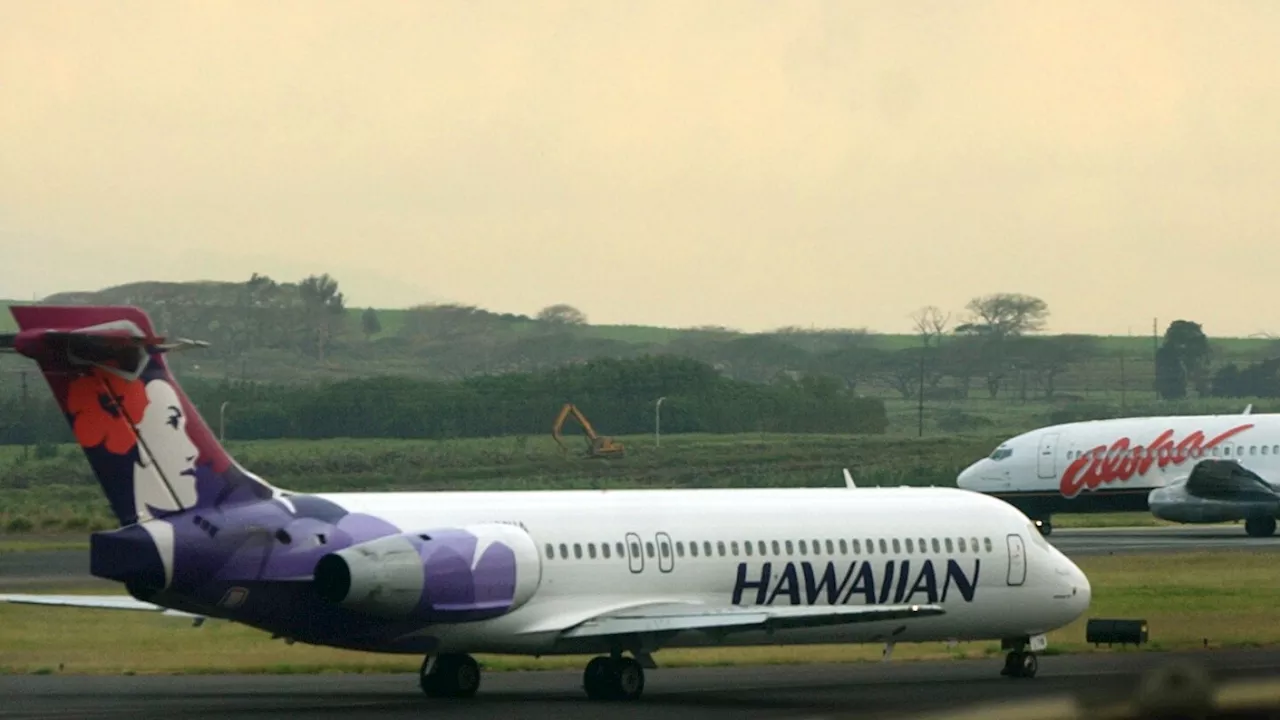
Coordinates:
[1213,599]
[58,494]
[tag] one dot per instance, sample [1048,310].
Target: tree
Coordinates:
[324,306]
[930,323]
[562,314]
[1005,314]
[1183,357]
[369,323]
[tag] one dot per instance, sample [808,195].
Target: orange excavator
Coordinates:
[597,446]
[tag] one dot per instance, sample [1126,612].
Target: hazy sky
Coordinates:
[752,163]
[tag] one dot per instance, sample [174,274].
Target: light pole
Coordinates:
[222,421]
[657,422]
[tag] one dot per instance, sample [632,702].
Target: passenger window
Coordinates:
[986,542]
[648,549]
[1264,449]
[747,547]
[591,550]
[551,552]
[831,548]
[936,548]
[635,549]
[776,549]
[693,549]
[973,543]
[564,551]
[962,545]
[577,551]
[790,551]
[761,546]
[1253,449]
[844,547]
[706,548]
[911,546]
[680,548]
[604,550]
[884,547]
[733,547]
[1275,449]
[897,547]
[857,547]
[924,547]
[720,547]
[804,548]
[664,549]
[871,546]
[622,552]
[950,548]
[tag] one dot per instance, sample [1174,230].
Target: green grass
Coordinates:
[59,495]
[1213,599]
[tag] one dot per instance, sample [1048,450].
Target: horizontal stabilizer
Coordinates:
[674,617]
[100,602]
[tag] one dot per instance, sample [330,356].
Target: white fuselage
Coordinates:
[1106,465]
[977,557]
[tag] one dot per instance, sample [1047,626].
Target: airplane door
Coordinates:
[666,556]
[1017,560]
[635,553]
[1048,455]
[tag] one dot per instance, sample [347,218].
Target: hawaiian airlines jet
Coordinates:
[1188,469]
[447,574]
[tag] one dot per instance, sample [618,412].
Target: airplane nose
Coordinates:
[965,480]
[1082,591]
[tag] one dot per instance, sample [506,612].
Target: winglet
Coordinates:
[1248,409]
[848,479]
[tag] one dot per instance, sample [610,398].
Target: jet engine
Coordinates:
[1218,491]
[461,574]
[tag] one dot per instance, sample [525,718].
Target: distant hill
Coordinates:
[275,331]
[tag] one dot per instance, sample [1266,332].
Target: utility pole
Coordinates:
[26,417]
[657,422]
[920,411]
[1123,406]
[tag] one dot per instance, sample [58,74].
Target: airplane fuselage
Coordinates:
[976,557]
[1113,465]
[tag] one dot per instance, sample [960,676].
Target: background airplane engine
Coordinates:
[1214,491]
[443,575]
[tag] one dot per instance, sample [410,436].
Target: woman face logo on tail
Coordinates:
[166,455]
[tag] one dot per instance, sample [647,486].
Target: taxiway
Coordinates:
[864,690]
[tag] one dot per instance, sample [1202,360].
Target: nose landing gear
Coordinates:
[1020,664]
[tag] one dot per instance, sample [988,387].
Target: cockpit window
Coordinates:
[1001,453]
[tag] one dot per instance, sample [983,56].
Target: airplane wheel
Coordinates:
[1260,527]
[596,678]
[1045,527]
[1020,665]
[453,676]
[613,679]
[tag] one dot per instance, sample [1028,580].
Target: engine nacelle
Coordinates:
[1214,491]
[444,575]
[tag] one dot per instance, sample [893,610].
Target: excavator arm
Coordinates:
[597,446]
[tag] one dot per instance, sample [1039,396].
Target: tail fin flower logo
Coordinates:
[104,406]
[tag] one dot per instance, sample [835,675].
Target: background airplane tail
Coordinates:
[151,451]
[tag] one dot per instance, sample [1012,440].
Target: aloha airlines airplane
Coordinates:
[1189,469]
[445,574]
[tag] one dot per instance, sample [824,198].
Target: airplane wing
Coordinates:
[675,617]
[101,602]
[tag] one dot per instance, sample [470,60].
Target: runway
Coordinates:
[814,691]
[71,567]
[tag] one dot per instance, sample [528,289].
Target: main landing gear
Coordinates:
[613,678]
[451,675]
[1260,526]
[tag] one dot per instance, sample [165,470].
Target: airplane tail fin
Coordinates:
[149,448]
